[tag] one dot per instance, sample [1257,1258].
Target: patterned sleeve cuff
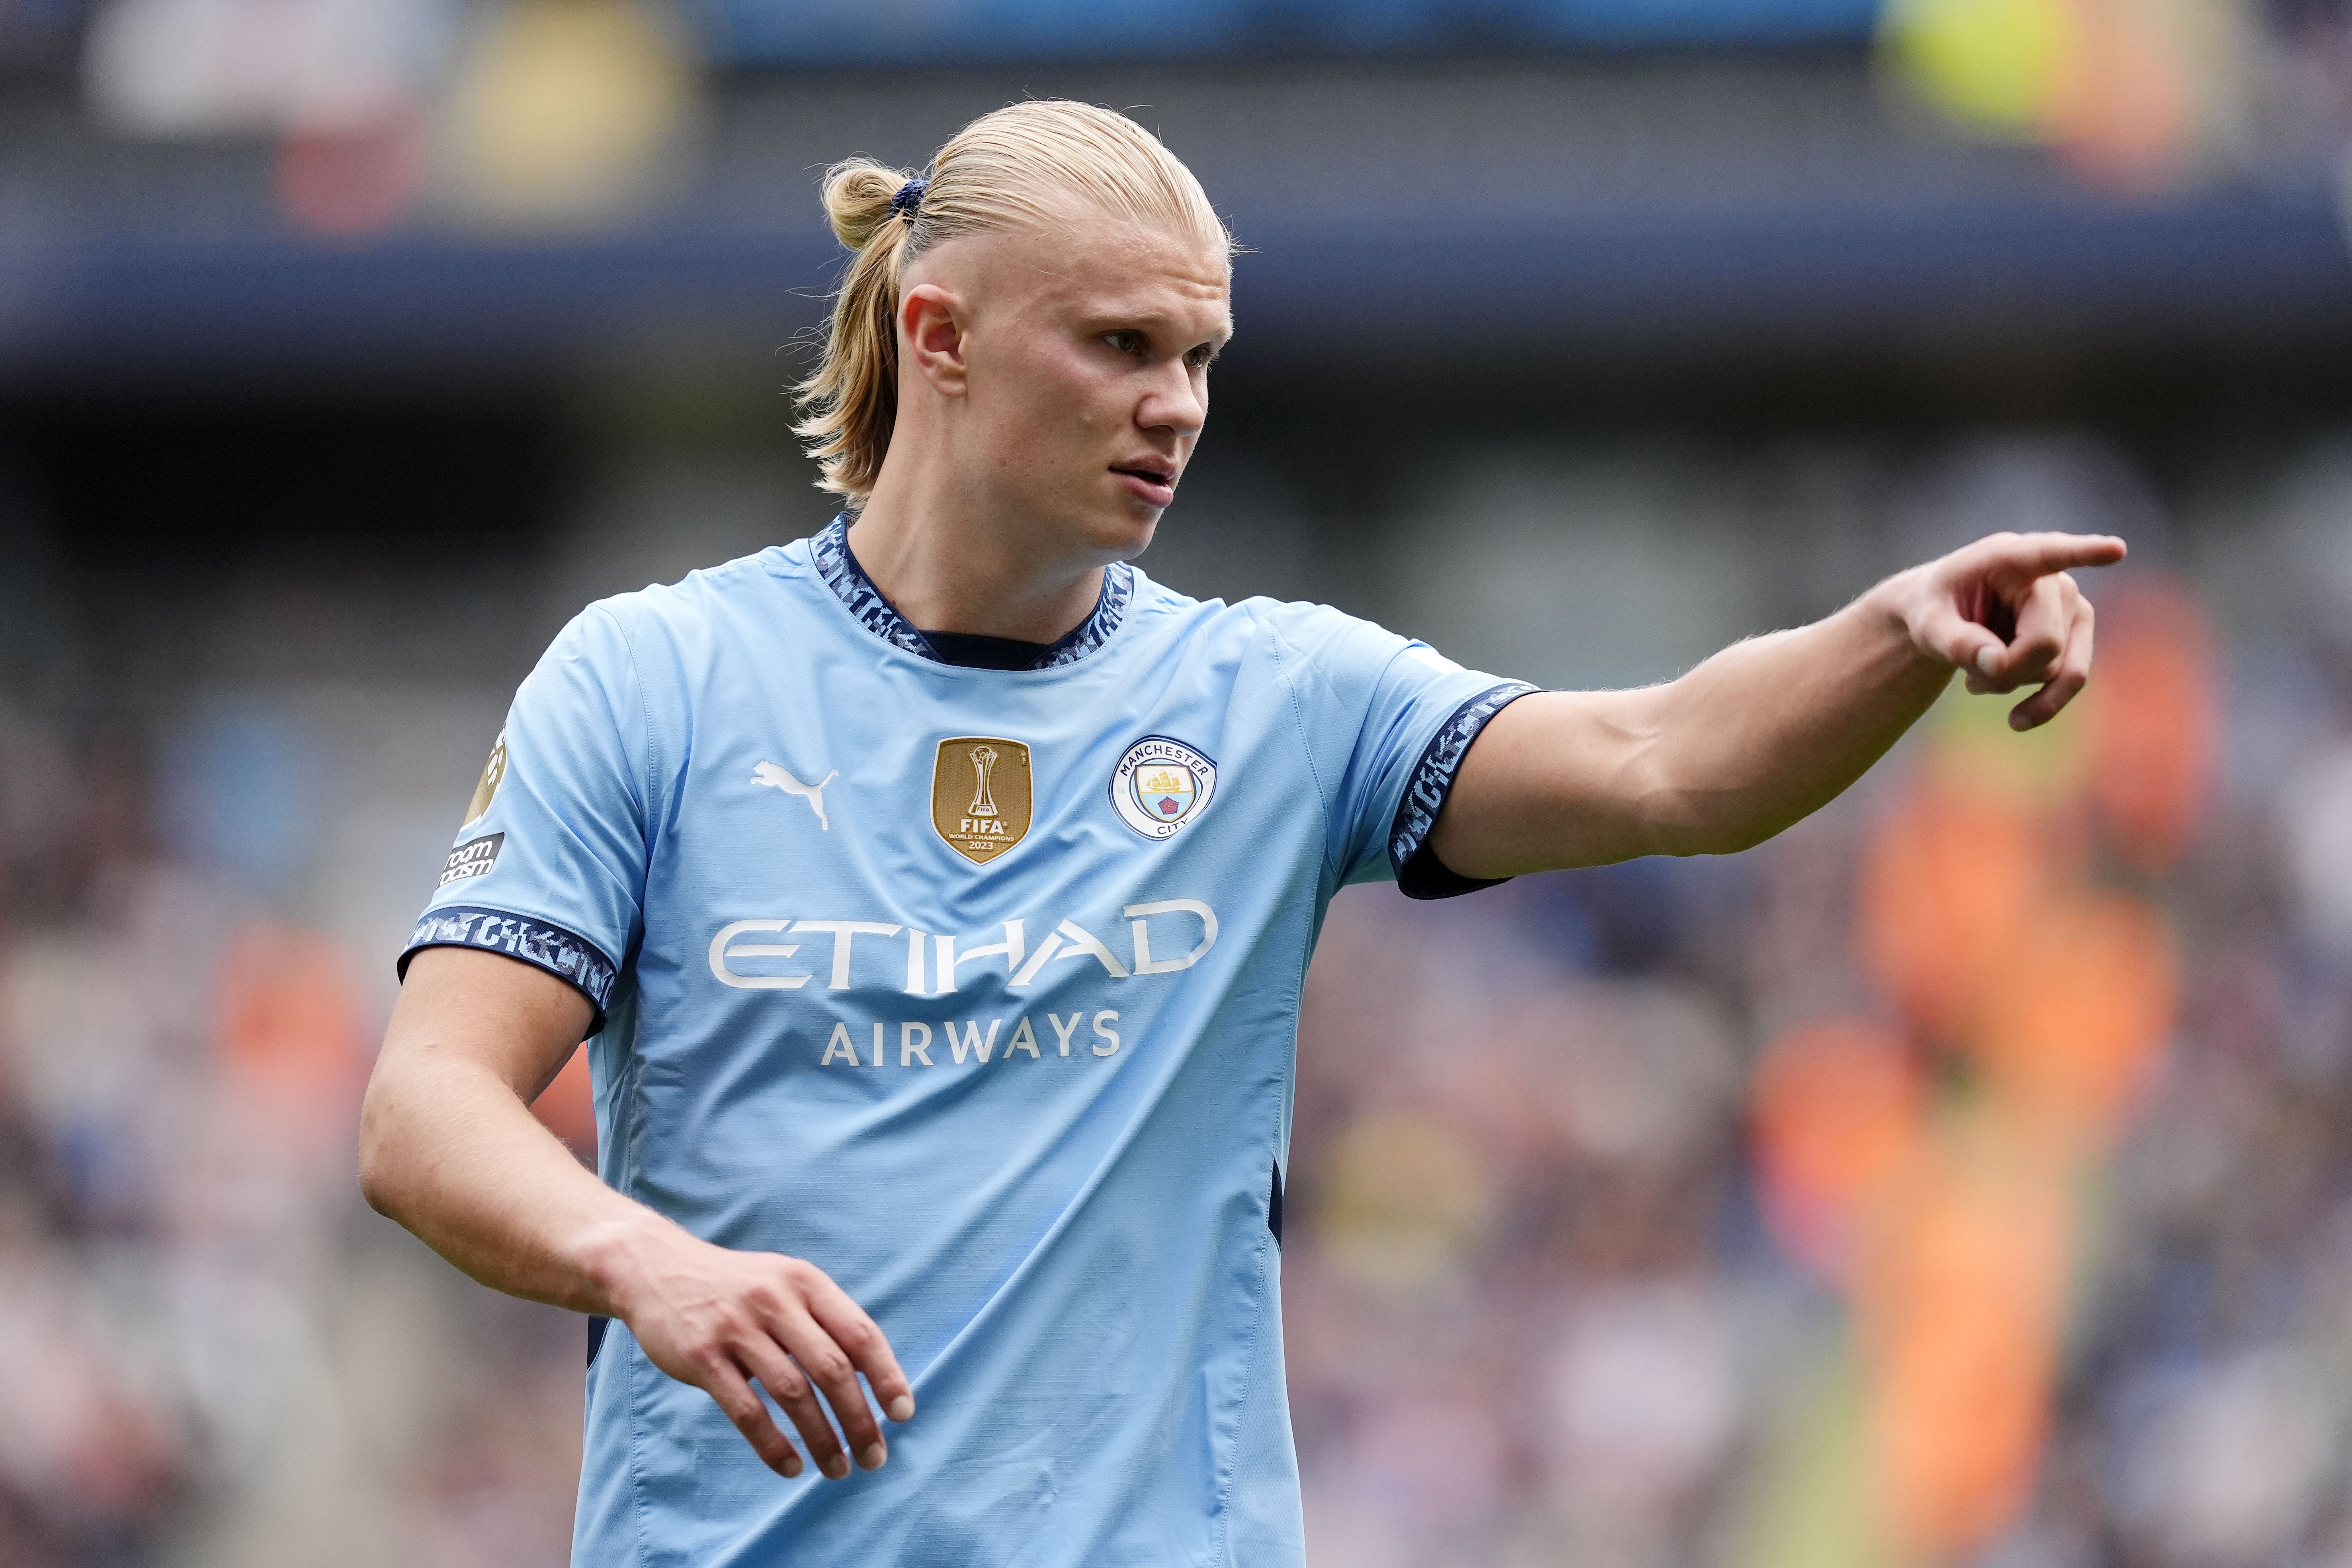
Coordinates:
[1421,875]
[570,957]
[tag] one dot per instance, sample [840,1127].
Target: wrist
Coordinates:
[617,1258]
[1892,609]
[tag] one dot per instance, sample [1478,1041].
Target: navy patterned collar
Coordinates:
[829,549]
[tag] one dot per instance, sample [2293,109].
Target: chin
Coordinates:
[1120,533]
[1135,537]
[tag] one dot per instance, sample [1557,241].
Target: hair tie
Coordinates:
[909,199]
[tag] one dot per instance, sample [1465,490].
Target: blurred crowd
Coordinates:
[385,116]
[212,1353]
[1963,1177]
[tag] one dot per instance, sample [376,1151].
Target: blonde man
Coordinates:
[936,893]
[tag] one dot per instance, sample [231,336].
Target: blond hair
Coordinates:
[1020,165]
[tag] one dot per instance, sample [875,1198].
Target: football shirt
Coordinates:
[978,988]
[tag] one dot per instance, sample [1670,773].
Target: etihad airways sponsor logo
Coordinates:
[1182,931]
[966,1042]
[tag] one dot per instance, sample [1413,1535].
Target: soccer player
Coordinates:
[935,895]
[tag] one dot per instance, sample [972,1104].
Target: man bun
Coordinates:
[859,192]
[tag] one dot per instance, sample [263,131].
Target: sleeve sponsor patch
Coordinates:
[474,858]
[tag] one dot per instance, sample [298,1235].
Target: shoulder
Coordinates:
[1301,634]
[1323,654]
[666,627]
[704,597]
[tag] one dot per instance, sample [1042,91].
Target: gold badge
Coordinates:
[494,774]
[980,795]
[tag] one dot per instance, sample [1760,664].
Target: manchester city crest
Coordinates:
[1161,784]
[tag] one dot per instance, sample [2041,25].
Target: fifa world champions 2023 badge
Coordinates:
[1161,784]
[980,796]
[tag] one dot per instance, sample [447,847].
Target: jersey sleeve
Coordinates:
[550,864]
[1388,721]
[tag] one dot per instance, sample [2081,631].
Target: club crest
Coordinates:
[1161,784]
[980,798]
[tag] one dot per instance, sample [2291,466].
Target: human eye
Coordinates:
[1126,342]
[1202,358]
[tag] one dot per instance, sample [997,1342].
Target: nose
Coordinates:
[1177,402]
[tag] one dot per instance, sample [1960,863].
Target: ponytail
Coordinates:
[852,400]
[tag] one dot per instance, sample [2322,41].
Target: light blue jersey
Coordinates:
[976,988]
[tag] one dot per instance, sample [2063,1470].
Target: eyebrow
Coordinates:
[1113,320]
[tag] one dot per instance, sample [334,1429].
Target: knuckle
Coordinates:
[857,1336]
[827,1366]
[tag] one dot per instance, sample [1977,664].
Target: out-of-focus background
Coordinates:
[1965,1178]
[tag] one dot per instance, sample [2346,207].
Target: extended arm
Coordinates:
[449,1148]
[1769,730]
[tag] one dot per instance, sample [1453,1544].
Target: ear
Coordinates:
[931,322]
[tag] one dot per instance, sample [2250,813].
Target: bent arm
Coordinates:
[448,1147]
[1769,730]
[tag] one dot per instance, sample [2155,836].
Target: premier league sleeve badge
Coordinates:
[1161,784]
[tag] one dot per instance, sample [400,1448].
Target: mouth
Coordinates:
[1150,482]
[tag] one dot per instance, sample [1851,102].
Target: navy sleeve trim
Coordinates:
[1419,874]
[568,957]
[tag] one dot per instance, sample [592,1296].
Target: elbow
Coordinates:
[379,1164]
[1700,833]
[1732,841]
[1684,840]
[1670,808]
[1685,822]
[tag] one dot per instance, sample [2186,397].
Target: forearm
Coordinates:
[449,1148]
[1769,730]
[1721,759]
[450,1151]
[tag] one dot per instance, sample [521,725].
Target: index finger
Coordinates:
[861,1339]
[2039,554]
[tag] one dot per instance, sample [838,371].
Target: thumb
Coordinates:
[1955,639]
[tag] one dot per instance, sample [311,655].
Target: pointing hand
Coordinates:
[2007,610]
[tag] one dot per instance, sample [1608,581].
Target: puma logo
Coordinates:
[775,777]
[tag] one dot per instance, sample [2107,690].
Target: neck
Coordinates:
[950,565]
